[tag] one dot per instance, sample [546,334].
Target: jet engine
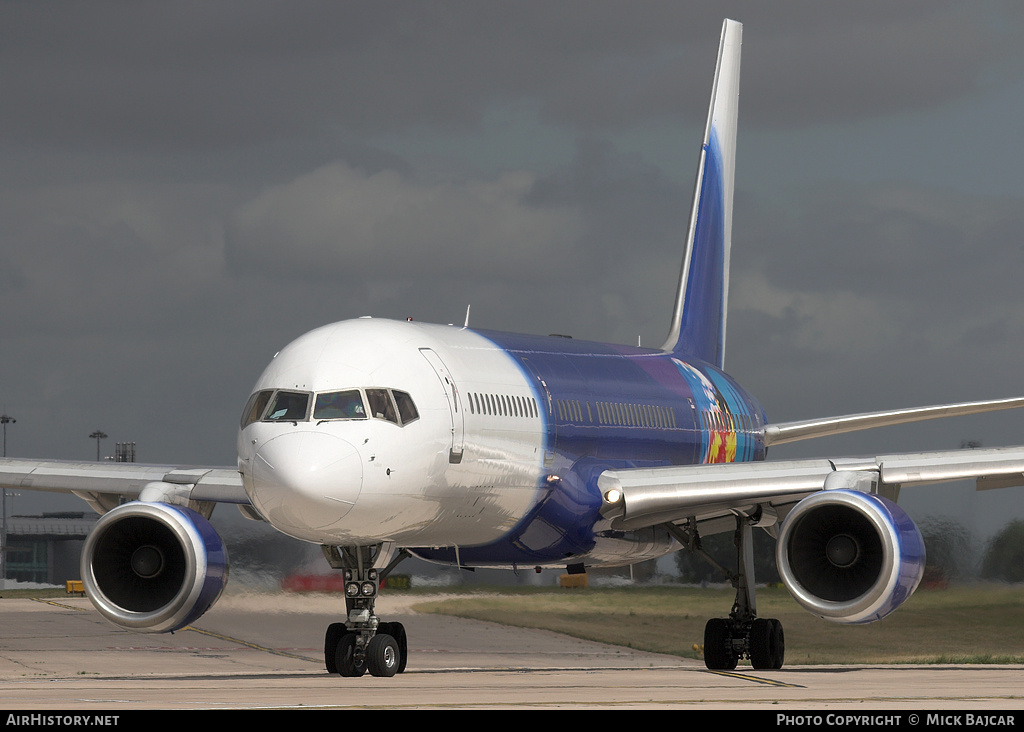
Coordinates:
[153,567]
[850,557]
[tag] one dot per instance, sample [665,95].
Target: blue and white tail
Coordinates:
[698,320]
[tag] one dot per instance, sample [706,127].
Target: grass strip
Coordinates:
[968,624]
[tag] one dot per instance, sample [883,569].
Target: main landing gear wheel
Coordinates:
[719,654]
[767,644]
[725,642]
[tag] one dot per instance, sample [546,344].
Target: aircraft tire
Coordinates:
[718,654]
[760,644]
[778,644]
[767,644]
[382,655]
[331,639]
[345,659]
[397,631]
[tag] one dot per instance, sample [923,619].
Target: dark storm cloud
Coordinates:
[195,76]
[889,240]
[847,68]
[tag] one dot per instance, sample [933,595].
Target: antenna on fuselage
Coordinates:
[466,324]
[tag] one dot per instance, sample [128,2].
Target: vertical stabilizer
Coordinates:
[698,319]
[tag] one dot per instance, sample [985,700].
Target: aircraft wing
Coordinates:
[710,496]
[104,484]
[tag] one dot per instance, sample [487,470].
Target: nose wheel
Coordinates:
[351,654]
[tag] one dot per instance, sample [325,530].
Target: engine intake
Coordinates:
[153,567]
[850,557]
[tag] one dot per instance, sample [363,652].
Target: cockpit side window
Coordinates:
[406,407]
[381,406]
[288,406]
[255,406]
[339,405]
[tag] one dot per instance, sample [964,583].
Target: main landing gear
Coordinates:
[742,634]
[362,643]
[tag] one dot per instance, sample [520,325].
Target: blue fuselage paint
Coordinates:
[605,407]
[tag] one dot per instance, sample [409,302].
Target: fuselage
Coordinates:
[477,447]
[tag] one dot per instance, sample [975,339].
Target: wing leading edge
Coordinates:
[783,432]
[638,498]
[104,485]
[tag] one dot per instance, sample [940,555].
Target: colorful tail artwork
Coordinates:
[698,319]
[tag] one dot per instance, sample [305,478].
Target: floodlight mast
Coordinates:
[98,435]
[5,420]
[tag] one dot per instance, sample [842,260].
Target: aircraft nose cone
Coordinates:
[306,480]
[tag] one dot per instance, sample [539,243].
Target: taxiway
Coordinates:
[257,651]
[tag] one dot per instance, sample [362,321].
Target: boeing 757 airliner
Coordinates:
[380,440]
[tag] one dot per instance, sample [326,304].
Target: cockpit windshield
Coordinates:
[255,407]
[390,405]
[381,405]
[288,406]
[339,405]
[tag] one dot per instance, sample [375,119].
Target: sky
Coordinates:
[188,186]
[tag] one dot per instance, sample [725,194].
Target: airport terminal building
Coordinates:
[46,549]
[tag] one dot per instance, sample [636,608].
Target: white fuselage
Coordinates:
[452,476]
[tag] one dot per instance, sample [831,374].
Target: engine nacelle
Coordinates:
[153,567]
[850,557]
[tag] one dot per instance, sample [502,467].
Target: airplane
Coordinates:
[381,440]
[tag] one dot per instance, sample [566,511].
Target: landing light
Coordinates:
[613,496]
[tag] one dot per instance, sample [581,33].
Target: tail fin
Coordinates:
[698,320]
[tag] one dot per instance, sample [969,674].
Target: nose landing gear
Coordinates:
[362,643]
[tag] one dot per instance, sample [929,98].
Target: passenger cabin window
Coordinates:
[288,406]
[339,405]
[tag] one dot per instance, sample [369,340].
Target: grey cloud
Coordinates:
[889,240]
[196,76]
[340,223]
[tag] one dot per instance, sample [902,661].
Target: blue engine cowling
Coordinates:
[153,567]
[850,557]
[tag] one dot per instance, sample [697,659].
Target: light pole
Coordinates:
[4,421]
[98,435]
